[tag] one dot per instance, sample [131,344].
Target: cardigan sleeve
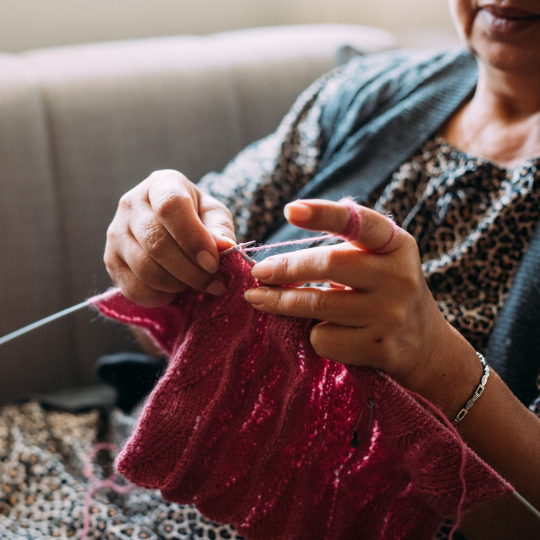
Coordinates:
[264,177]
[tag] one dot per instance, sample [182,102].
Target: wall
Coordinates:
[26,24]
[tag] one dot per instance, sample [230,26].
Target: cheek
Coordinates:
[463,14]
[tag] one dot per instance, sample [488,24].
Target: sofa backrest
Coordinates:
[81,125]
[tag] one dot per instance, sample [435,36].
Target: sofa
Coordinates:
[81,125]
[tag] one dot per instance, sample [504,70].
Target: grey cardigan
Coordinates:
[386,109]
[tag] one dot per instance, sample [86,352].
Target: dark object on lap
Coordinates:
[133,375]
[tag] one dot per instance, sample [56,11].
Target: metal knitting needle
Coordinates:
[8,337]
[527,504]
[43,322]
[235,248]
[239,249]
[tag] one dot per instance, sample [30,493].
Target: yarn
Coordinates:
[350,233]
[95,484]
[354,225]
[253,427]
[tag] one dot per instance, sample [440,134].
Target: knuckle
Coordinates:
[223,209]
[410,283]
[190,239]
[282,266]
[277,300]
[168,205]
[333,258]
[399,315]
[155,242]
[108,260]
[111,233]
[225,222]
[369,221]
[318,302]
[162,175]
[125,203]
[408,241]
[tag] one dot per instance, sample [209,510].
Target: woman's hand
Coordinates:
[164,238]
[379,311]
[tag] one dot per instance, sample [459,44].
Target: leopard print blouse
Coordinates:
[472,220]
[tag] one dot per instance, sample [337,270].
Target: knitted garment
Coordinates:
[253,427]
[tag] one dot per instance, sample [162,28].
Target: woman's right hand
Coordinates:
[165,237]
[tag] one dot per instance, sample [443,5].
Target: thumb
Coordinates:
[363,227]
[218,222]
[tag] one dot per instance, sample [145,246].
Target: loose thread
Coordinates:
[351,232]
[439,414]
[309,240]
[96,485]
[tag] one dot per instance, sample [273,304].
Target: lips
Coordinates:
[509,12]
[506,21]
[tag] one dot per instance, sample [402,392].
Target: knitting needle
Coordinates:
[240,249]
[241,246]
[86,303]
[526,503]
[43,322]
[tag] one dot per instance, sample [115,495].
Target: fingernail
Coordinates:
[207,261]
[263,270]
[217,288]
[256,296]
[298,212]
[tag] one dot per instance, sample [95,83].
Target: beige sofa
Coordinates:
[81,125]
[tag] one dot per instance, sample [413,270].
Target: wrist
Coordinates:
[449,374]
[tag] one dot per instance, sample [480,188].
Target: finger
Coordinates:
[218,221]
[374,232]
[175,203]
[136,291]
[348,345]
[336,264]
[145,269]
[343,307]
[152,243]
[122,246]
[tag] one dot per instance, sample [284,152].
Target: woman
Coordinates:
[453,152]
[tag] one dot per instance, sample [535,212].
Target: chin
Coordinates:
[507,57]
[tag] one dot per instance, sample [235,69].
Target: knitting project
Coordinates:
[253,427]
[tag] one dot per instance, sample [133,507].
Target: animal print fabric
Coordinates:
[472,221]
[43,486]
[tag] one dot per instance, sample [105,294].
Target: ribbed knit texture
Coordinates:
[254,428]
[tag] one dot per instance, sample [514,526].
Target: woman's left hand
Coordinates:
[379,311]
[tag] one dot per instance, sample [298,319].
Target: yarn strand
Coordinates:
[96,485]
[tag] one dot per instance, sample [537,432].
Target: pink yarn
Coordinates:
[254,428]
[354,226]
[95,484]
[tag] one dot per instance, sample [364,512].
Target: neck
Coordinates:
[507,97]
[501,123]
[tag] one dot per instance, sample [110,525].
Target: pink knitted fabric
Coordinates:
[254,428]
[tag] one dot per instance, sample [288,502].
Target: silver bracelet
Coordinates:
[477,393]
